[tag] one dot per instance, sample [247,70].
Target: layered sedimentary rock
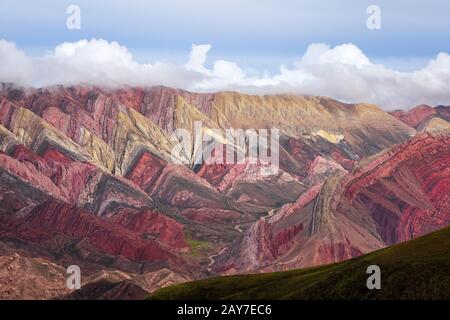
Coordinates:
[425,118]
[366,128]
[393,197]
[88,177]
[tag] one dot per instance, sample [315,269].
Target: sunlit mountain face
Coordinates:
[131,161]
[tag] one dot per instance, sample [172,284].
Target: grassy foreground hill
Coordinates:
[417,269]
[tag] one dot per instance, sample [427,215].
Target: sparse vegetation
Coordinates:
[417,269]
[197,245]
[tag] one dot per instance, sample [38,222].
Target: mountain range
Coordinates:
[87,178]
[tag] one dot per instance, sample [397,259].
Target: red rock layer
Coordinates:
[416,176]
[414,116]
[49,219]
[417,116]
[148,223]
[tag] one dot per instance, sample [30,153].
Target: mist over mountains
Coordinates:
[341,72]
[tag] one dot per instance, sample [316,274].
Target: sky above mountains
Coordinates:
[308,47]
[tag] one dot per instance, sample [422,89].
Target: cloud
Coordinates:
[197,57]
[94,62]
[343,72]
[320,53]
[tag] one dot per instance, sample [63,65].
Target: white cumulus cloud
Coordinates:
[343,72]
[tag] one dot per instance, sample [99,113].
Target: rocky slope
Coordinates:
[30,278]
[395,196]
[87,178]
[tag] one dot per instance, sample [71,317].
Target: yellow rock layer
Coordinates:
[436,124]
[134,133]
[32,131]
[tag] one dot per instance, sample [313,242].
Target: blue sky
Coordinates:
[255,33]
[255,46]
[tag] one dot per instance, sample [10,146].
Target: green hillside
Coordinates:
[417,269]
